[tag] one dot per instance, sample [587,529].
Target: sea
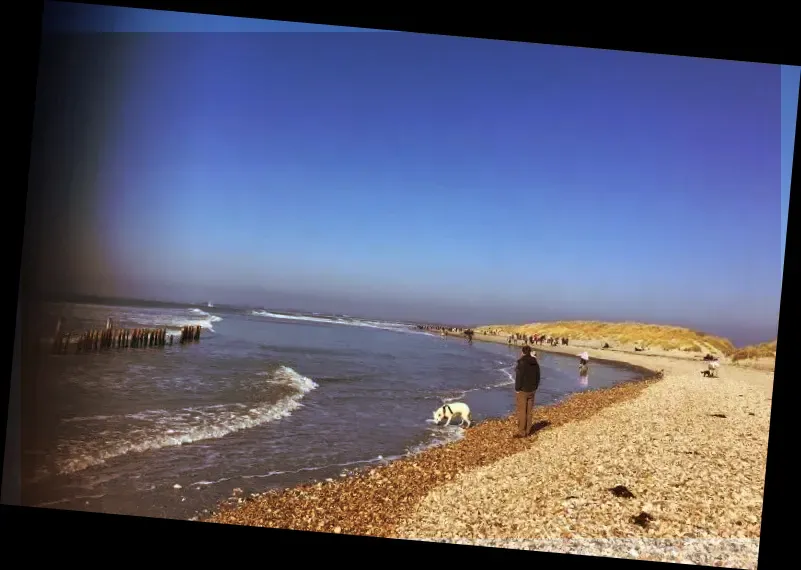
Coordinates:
[266,399]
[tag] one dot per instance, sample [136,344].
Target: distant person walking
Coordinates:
[527,380]
[584,361]
[584,369]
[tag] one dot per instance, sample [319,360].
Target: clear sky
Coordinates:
[416,176]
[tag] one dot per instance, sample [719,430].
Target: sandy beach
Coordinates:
[690,452]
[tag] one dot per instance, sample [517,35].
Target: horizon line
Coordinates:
[71,298]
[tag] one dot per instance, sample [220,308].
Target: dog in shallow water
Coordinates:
[448,411]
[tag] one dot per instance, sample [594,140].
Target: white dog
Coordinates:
[448,411]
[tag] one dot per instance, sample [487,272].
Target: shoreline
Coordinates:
[574,351]
[690,450]
[763,363]
[404,481]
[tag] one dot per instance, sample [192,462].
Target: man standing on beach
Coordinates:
[527,380]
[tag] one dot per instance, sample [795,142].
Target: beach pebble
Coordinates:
[176,486]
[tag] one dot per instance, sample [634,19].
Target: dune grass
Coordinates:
[630,333]
[764,350]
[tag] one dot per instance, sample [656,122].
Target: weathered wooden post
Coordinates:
[57,340]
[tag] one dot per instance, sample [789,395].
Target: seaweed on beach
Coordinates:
[621,491]
[643,519]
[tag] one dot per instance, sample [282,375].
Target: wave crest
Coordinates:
[166,428]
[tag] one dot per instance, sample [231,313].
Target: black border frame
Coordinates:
[51,528]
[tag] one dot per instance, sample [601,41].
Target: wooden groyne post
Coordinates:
[190,334]
[119,338]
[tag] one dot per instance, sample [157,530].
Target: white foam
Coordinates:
[511,379]
[178,427]
[392,327]
[67,500]
[86,419]
[171,319]
[438,436]
[506,371]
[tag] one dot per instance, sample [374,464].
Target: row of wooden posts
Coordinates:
[111,337]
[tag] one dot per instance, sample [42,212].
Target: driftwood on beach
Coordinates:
[97,340]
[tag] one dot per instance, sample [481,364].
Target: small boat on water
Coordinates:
[210,305]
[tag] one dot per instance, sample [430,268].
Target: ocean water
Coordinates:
[266,399]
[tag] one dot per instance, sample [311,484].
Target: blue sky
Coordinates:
[427,176]
[790,80]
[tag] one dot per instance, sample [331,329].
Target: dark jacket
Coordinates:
[527,374]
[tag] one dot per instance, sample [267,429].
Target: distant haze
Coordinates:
[410,177]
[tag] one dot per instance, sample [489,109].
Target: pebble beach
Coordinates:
[668,468]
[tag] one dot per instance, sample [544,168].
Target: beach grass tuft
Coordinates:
[764,350]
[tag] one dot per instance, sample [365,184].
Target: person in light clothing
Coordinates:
[584,368]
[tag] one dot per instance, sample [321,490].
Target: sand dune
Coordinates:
[626,335]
